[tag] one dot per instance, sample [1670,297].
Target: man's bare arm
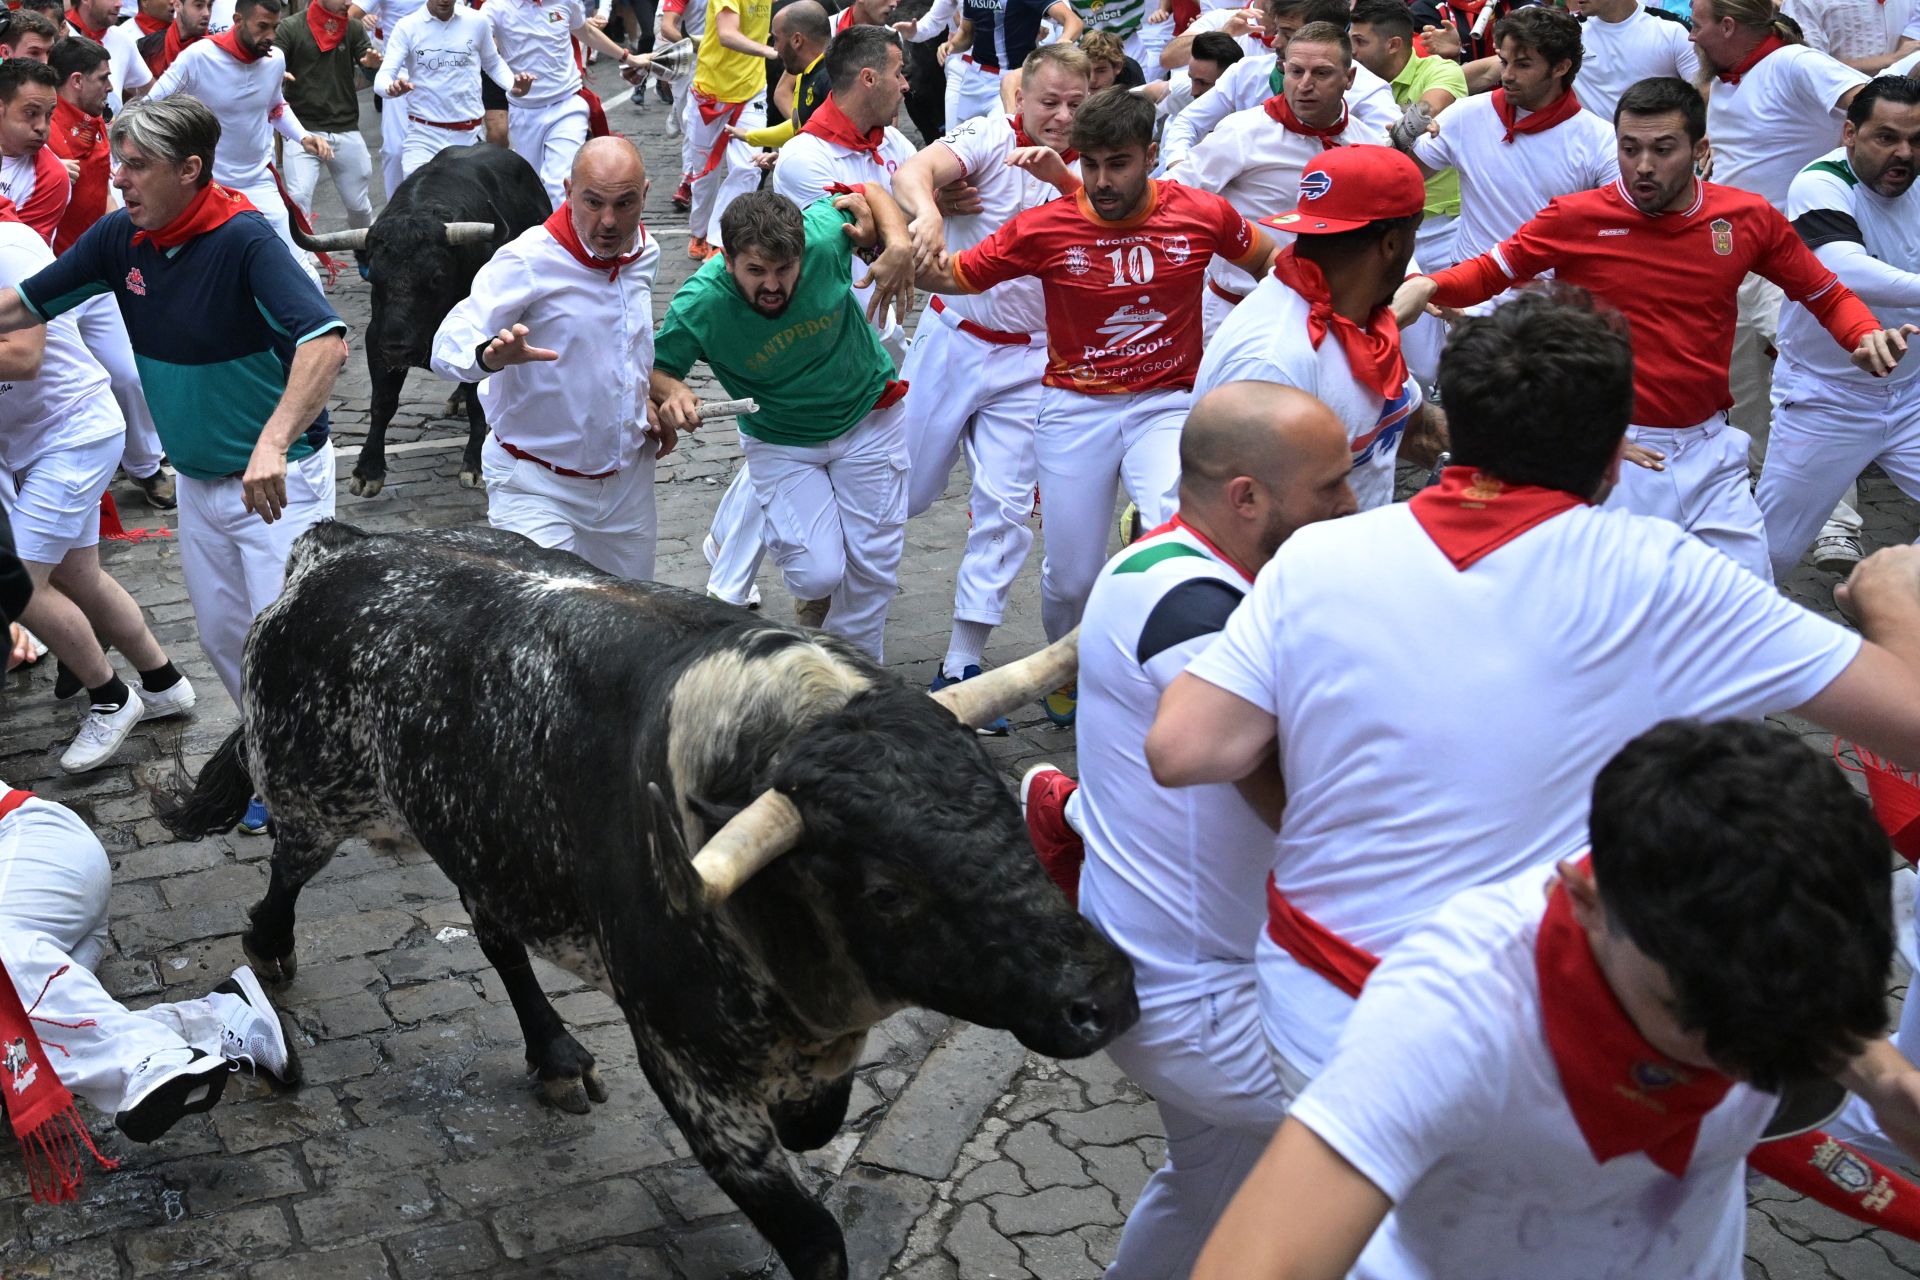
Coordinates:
[726,29]
[15,314]
[1202,733]
[1304,1213]
[1875,701]
[316,362]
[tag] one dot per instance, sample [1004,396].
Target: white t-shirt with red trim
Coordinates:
[982,146]
[1441,729]
[1444,1093]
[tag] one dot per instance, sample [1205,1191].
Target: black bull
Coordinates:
[557,739]
[438,229]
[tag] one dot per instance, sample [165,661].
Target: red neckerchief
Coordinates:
[1733,73]
[830,124]
[1470,515]
[230,41]
[1373,353]
[73,20]
[559,225]
[1020,139]
[1563,110]
[1279,109]
[1625,1095]
[1177,523]
[149,25]
[211,208]
[328,29]
[169,50]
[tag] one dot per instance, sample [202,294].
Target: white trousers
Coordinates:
[351,170]
[975,93]
[1704,489]
[836,520]
[104,332]
[1084,445]
[425,141]
[1433,242]
[722,165]
[1824,434]
[54,883]
[980,398]
[740,540]
[234,562]
[266,197]
[394,126]
[548,138]
[608,523]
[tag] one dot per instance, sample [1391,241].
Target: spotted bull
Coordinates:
[558,740]
[422,253]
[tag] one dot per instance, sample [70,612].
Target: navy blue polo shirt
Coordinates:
[214,324]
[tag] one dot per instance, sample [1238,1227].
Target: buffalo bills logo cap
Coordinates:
[1346,188]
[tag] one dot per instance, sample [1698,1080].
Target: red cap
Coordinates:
[1348,187]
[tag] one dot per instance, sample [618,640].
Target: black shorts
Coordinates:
[492,96]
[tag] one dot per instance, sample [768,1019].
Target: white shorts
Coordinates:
[56,508]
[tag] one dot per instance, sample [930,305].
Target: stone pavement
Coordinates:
[416,1147]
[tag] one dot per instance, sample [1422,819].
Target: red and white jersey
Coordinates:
[1782,116]
[982,146]
[1254,161]
[1849,29]
[246,97]
[1250,82]
[1523,694]
[1502,183]
[1614,56]
[536,36]
[1265,339]
[444,61]
[1674,276]
[70,403]
[1479,1148]
[37,186]
[1123,298]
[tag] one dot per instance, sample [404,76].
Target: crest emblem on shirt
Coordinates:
[1722,236]
[1651,1077]
[1077,262]
[1178,249]
[136,283]
[1843,1168]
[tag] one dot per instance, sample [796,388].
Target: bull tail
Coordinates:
[219,796]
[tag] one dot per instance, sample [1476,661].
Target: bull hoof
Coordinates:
[470,479]
[361,487]
[569,1093]
[456,404]
[277,971]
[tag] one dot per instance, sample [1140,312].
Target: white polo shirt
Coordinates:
[444,61]
[1614,56]
[1503,184]
[1254,161]
[536,37]
[1249,82]
[1174,875]
[982,146]
[1265,340]
[586,411]
[1444,1094]
[1782,116]
[71,402]
[1852,29]
[126,69]
[246,97]
[1441,729]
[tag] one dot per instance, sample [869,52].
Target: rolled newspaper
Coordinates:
[727,408]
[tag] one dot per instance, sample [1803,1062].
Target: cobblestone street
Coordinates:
[417,1147]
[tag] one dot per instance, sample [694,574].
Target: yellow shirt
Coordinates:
[725,74]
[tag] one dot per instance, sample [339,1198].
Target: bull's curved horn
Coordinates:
[469,232]
[985,698]
[327,241]
[752,838]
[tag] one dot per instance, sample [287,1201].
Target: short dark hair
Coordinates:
[76,56]
[1389,17]
[1901,91]
[857,49]
[1554,34]
[1335,11]
[26,22]
[15,72]
[1540,391]
[53,11]
[766,221]
[1337,245]
[271,6]
[1222,49]
[1111,120]
[1325,33]
[1749,869]
[1658,95]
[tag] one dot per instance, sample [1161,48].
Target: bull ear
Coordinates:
[668,848]
[470,232]
[985,698]
[749,842]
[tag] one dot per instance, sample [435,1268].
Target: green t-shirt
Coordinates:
[1415,79]
[816,368]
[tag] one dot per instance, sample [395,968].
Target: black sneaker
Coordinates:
[167,1086]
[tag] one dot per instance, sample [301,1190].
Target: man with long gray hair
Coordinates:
[237,349]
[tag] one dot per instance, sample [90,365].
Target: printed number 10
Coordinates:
[1131,266]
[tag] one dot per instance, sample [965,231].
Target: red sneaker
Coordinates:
[1043,803]
[683,194]
[698,249]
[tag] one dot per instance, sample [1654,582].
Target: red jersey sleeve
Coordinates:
[44,208]
[1015,250]
[1235,237]
[1534,248]
[1785,259]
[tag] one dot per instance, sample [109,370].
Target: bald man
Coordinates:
[559,333]
[1176,877]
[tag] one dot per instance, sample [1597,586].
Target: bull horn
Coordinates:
[985,698]
[469,232]
[751,840]
[356,238]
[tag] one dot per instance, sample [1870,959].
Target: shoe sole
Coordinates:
[105,756]
[1027,780]
[256,996]
[172,1102]
[1839,565]
[246,830]
[160,711]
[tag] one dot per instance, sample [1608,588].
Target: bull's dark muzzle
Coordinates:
[1092,1019]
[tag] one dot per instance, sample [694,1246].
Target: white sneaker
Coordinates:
[1836,552]
[166,1086]
[101,734]
[175,700]
[250,1030]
